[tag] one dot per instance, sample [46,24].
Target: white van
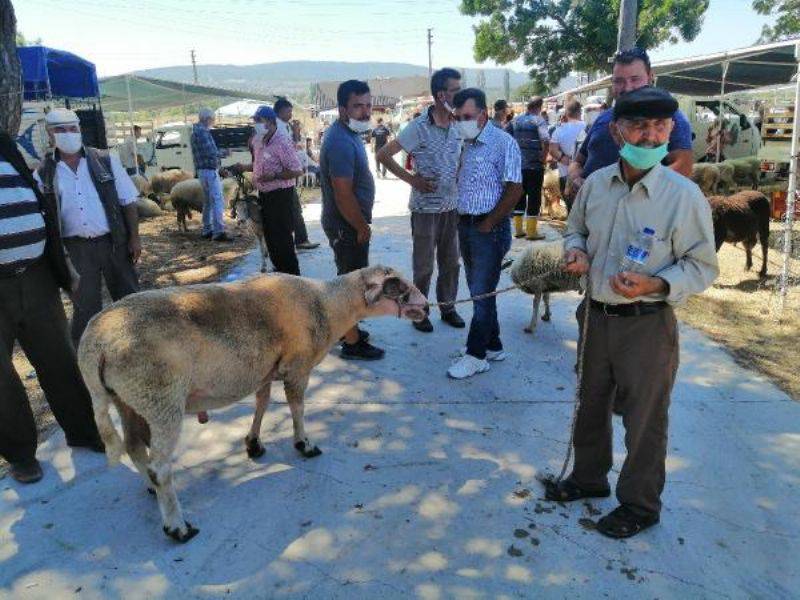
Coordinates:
[172,147]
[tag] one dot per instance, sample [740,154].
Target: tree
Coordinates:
[23,41]
[787,24]
[10,74]
[556,37]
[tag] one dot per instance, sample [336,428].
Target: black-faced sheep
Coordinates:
[160,354]
[538,270]
[742,217]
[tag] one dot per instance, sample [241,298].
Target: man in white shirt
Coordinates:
[562,146]
[128,152]
[96,202]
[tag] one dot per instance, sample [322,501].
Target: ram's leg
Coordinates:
[252,442]
[295,391]
[537,298]
[546,315]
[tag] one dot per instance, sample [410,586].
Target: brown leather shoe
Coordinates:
[26,471]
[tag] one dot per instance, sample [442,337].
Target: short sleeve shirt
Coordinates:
[343,156]
[601,150]
[436,151]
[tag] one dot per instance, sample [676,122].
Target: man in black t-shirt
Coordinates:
[380,136]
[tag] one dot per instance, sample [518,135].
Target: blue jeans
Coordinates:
[483,256]
[213,205]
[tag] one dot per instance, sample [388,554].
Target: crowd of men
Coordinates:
[73,223]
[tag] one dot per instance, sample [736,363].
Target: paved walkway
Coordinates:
[426,487]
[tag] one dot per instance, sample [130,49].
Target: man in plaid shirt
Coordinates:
[206,159]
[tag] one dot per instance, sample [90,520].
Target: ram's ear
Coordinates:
[373,293]
[394,288]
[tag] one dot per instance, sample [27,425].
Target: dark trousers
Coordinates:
[435,235]
[347,252]
[298,223]
[638,358]
[31,312]
[530,203]
[483,256]
[276,215]
[380,168]
[96,260]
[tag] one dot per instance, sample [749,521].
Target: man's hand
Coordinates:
[134,248]
[486,225]
[577,182]
[419,183]
[576,262]
[363,234]
[632,285]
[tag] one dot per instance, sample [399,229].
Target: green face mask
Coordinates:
[640,157]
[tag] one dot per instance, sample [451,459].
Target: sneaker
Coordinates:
[467,366]
[453,319]
[206,236]
[307,245]
[425,326]
[491,355]
[26,471]
[222,237]
[361,350]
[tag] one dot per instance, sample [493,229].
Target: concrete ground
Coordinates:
[426,486]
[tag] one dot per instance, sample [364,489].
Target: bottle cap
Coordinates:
[649,231]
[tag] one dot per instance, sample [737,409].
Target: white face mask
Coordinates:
[469,130]
[260,128]
[70,142]
[359,126]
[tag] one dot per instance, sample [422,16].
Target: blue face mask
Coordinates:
[640,157]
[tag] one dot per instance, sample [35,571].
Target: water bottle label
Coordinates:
[637,255]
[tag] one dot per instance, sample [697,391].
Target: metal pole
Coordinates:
[430,59]
[130,118]
[194,64]
[721,104]
[626,33]
[791,194]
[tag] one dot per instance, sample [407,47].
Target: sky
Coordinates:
[120,36]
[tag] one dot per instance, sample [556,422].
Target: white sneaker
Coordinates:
[491,355]
[467,366]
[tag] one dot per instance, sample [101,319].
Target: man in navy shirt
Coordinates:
[631,71]
[348,193]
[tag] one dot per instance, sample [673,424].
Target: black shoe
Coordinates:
[453,319]
[425,326]
[26,471]
[95,445]
[361,350]
[307,245]
[206,236]
[222,237]
[363,335]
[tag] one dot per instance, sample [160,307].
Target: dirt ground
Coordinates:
[169,257]
[741,312]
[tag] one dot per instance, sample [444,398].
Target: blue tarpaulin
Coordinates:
[49,73]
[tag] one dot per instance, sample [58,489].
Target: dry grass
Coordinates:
[741,312]
[169,257]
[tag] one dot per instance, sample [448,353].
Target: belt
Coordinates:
[634,309]
[472,219]
[79,238]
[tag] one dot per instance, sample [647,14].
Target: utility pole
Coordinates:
[626,34]
[430,44]
[194,64]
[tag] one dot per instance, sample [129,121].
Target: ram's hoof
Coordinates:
[307,450]
[546,318]
[254,447]
[182,537]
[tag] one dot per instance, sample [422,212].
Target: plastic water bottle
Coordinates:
[638,251]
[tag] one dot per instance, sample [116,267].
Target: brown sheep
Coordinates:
[706,176]
[159,354]
[742,217]
[163,182]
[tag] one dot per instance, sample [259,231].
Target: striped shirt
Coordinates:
[436,151]
[487,164]
[22,231]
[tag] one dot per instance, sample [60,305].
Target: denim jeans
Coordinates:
[213,206]
[483,254]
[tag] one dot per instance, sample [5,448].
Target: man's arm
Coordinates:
[680,158]
[132,221]
[385,157]
[348,206]
[127,194]
[512,192]
[681,161]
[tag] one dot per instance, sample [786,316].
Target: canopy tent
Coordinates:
[148,93]
[240,108]
[49,73]
[747,69]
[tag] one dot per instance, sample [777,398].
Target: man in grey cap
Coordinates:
[206,159]
[644,235]
[96,202]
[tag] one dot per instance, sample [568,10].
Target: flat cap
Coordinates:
[645,103]
[61,116]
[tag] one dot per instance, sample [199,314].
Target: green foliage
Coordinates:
[787,24]
[556,37]
[23,41]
